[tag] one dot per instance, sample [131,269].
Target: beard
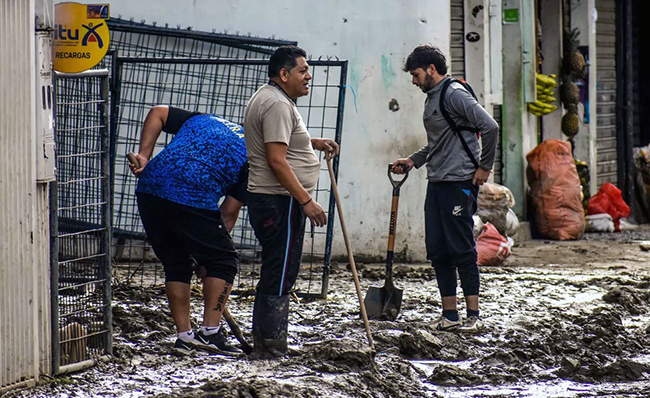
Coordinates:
[428,83]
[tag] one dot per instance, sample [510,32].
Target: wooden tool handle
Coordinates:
[247,348]
[348,246]
[133,159]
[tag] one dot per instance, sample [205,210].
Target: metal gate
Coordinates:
[81,266]
[222,87]
[606,92]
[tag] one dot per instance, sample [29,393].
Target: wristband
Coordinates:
[306,203]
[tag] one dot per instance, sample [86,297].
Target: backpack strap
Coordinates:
[451,122]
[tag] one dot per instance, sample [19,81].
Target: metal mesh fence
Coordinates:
[221,87]
[133,39]
[135,261]
[81,289]
[217,74]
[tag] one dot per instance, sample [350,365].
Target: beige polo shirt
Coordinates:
[272,117]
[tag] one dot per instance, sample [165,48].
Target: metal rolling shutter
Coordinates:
[606,91]
[498,164]
[457,39]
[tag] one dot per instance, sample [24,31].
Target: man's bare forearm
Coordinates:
[151,129]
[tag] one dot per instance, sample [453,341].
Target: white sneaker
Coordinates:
[443,323]
[472,325]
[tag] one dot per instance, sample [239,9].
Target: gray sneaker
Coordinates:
[443,323]
[472,325]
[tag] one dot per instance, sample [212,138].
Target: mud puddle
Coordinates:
[562,320]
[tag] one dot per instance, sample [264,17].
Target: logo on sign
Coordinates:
[473,37]
[81,36]
[92,35]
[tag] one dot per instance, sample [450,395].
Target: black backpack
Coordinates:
[451,122]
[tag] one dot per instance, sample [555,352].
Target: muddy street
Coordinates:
[562,319]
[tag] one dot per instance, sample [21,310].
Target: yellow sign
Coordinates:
[80,36]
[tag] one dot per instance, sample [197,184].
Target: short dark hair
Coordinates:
[425,55]
[284,57]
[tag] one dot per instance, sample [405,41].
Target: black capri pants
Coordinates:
[182,236]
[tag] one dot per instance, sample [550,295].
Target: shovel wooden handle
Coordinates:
[133,159]
[232,323]
[348,246]
[393,223]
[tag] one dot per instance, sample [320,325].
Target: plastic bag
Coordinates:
[609,199]
[626,225]
[492,248]
[512,223]
[555,191]
[478,226]
[600,223]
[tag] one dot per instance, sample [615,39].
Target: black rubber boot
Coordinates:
[270,322]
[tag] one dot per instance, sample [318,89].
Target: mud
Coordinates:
[561,319]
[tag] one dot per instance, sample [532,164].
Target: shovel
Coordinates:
[246,347]
[348,246]
[385,302]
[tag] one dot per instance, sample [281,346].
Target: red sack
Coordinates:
[609,199]
[555,191]
[491,247]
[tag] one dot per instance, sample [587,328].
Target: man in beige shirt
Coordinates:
[284,171]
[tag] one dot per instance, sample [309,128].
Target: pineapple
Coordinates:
[577,62]
[574,60]
[570,124]
[584,72]
[572,108]
[570,93]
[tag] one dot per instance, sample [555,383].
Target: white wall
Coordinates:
[375,36]
[23,262]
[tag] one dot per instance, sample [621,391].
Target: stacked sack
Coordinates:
[495,203]
[492,248]
[497,223]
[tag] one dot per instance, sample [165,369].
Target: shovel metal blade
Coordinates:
[383,302]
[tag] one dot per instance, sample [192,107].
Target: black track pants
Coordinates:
[448,211]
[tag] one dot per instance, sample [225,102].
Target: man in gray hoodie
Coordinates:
[455,170]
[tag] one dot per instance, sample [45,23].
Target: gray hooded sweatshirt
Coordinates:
[448,159]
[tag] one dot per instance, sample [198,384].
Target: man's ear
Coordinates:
[284,75]
[431,70]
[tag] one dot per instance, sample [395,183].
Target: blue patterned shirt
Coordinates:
[201,164]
